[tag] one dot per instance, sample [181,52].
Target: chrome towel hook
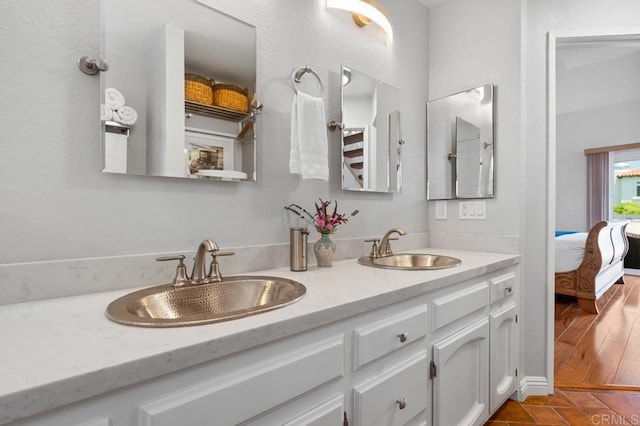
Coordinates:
[92,66]
[296,77]
[334,125]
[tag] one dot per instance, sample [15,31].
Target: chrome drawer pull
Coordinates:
[403,337]
[402,403]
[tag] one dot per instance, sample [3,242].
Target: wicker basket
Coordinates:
[230,97]
[198,89]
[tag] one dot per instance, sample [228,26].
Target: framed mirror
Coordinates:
[460,145]
[179,97]
[371,138]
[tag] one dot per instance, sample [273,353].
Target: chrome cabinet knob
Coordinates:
[402,403]
[403,337]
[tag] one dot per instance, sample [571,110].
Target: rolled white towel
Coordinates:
[113,98]
[126,115]
[106,113]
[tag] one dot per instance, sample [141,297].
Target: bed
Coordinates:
[588,264]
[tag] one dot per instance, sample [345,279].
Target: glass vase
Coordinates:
[324,249]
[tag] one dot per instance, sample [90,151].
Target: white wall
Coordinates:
[56,204]
[598,104]
[471,43]
[541,17]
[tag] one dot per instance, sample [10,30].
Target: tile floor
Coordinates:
[575,407]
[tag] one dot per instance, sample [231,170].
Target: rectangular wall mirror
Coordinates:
[460,145]
[177,99]
[371,139]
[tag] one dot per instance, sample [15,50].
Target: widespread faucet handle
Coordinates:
[215,253]
[214,268]
[375,247]
[181,279]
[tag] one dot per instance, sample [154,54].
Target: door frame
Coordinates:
[554,39]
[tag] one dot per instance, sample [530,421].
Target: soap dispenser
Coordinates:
[298,249]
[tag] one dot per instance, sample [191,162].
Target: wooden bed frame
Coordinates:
[601,267]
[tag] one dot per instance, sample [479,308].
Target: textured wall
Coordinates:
[57,205]
[472,43]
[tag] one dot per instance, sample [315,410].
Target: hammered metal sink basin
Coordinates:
[235,297]
[411,261]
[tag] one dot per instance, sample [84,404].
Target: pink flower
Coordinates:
[324,221]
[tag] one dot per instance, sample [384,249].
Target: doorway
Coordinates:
[584,337]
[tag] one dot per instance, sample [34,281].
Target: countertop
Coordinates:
[59,351]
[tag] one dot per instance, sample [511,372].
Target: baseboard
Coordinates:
[533,385]
[632,271]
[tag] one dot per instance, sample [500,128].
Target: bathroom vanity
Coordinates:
[365,345]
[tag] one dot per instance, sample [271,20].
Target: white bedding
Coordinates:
[570,251]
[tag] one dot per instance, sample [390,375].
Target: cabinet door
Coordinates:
[502,381]
[460,384]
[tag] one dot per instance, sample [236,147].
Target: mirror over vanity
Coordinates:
[371,139]
[179,97]
[460,145]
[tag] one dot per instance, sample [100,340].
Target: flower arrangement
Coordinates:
[324,221]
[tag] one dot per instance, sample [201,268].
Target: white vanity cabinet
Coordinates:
[446,356]
[474,349]
[299,378]
[371,368]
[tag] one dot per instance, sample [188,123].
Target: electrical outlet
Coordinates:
[441,210]
[472,209]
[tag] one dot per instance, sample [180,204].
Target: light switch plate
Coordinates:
[441,210]
[472,209]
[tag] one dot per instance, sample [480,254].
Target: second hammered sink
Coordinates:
[411,261]
[232,298]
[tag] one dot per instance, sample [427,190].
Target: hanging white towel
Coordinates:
[308,138]
[125,115]
[113,98]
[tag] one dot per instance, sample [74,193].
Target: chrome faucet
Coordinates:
[199,273]
[385,246]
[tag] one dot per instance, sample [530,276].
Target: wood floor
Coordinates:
[575,407]
[597,366]
[600,350]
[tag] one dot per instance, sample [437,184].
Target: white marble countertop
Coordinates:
[59,351]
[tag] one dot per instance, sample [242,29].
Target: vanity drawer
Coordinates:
[245,393]
[380,338]
[455,305]
[502,286]
[329,413]
[394,397]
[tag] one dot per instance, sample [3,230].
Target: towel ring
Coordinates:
[297,75]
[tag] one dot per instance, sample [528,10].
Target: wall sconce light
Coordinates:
[364,12]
